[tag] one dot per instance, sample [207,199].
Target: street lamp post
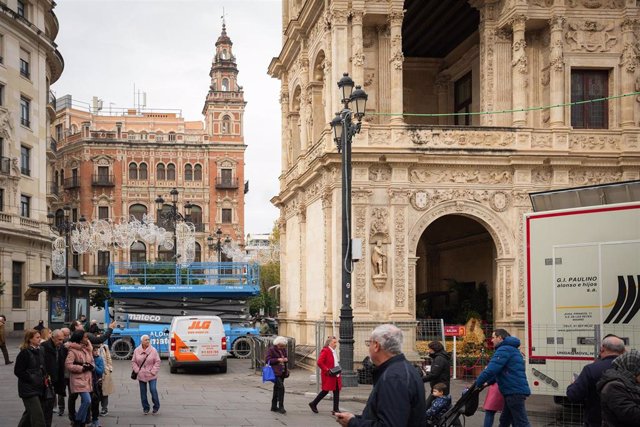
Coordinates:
[64,228]
[173,216]
[217,245]
[344,130]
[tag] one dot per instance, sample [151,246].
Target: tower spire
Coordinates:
[224,23]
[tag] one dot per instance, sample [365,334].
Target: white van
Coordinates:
[197,341]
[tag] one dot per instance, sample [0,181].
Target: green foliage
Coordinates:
[264,301]
[97,297]
[269,275]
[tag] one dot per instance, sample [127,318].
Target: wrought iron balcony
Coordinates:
[71,183]
[5,165]
[53,188]
[226,183]
[103,181]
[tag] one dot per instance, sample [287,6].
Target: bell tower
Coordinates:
[224,105]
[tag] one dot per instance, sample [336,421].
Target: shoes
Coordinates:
[333,412]
[9,362]
[61,413]
[274,409]
[146,412]
[104,412]
[155,411]
[282,411]
[314,408]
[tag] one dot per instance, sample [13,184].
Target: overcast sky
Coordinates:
[165,48]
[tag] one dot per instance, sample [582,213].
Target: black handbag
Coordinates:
[134,374]
[335,371]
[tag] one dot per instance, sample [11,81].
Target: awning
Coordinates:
[34,290]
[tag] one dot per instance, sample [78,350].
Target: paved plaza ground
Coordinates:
[237,398]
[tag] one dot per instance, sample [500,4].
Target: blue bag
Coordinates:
[268,374]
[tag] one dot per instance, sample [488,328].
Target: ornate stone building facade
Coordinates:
[29,63]
[113,165]
[443,196]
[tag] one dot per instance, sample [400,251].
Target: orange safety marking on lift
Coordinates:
[199,324]
[183,356]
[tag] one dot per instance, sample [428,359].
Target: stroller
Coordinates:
[466,406]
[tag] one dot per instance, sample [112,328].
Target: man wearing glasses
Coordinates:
[397,398]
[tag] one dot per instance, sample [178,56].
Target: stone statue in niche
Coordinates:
[379,260]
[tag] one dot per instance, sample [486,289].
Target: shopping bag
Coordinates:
[268,374]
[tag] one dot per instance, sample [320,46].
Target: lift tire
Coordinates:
[122,349]
[242,347]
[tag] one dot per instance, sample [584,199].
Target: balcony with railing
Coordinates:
[226,183]
[71,183]
[53,145]
[199,227]
[103,181]
[53,188]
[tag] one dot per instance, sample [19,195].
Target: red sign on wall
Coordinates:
[454,331]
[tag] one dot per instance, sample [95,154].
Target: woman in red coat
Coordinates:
[327,360]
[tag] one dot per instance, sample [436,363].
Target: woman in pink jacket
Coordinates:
[79,364]
[146,363]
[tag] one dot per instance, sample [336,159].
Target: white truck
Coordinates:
[583,272]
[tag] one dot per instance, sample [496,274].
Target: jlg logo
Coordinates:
[199,324]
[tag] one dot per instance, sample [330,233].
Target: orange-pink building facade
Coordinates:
[116,165]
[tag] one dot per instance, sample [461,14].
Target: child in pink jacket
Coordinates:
[146,363]
[79,364]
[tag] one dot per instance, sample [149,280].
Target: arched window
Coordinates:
[226,124]
[142,171]
[59,217]
[137,211]
[197,173]
[224,54]
[165,254]
[171,172]
[61,176]
[214,86]
[196,216]
[198,257]
[138,252]
[133,171]
[225,84]
[188,172]
[57,177]
[160,175]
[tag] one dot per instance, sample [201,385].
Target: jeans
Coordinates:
[514,412]
[154,395]
[85,404]
[488,418]
[33,416]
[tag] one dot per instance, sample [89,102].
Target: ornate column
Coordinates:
[302,218]
[282,226]
[339,52]
[396,61]
[361,200]
[487,64]
[442,85]
[305,103]
[556,71]
[286,140]
[520,69]
[357,57]
[384,79]
[503,73]
[327,199]
[628,65]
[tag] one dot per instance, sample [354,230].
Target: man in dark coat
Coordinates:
[61,393]
[439,372]
[506,367]
[619,390]
[583,389]
[54,367]
[397,398]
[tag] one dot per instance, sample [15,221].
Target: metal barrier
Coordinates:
[261,345]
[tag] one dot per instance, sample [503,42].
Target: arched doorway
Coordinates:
[455,270]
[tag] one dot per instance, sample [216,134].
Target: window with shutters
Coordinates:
[463,99]
[587,85]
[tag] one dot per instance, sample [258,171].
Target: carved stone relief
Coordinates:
[461,175]
[597,4]
[499,201]
[379,224]
[379,173]
[594,142]
[591,176]
[360,269]
[400,258]
[379,137]
[591,36]
[456,138]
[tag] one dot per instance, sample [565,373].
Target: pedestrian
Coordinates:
[54,367]
[619,390]
[328,360]
[79,364]
[507,368]
[440,403]
[30,370]
[45,334]
[493,402]
[93,338]
[107,379]
[583,389]
[440,371]
[96,395]
[61,393]
[3,341]
[39,327]
[278,359]
[94,328]
[397,397]
[146,364]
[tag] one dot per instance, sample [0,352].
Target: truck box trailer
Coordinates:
[582,277]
